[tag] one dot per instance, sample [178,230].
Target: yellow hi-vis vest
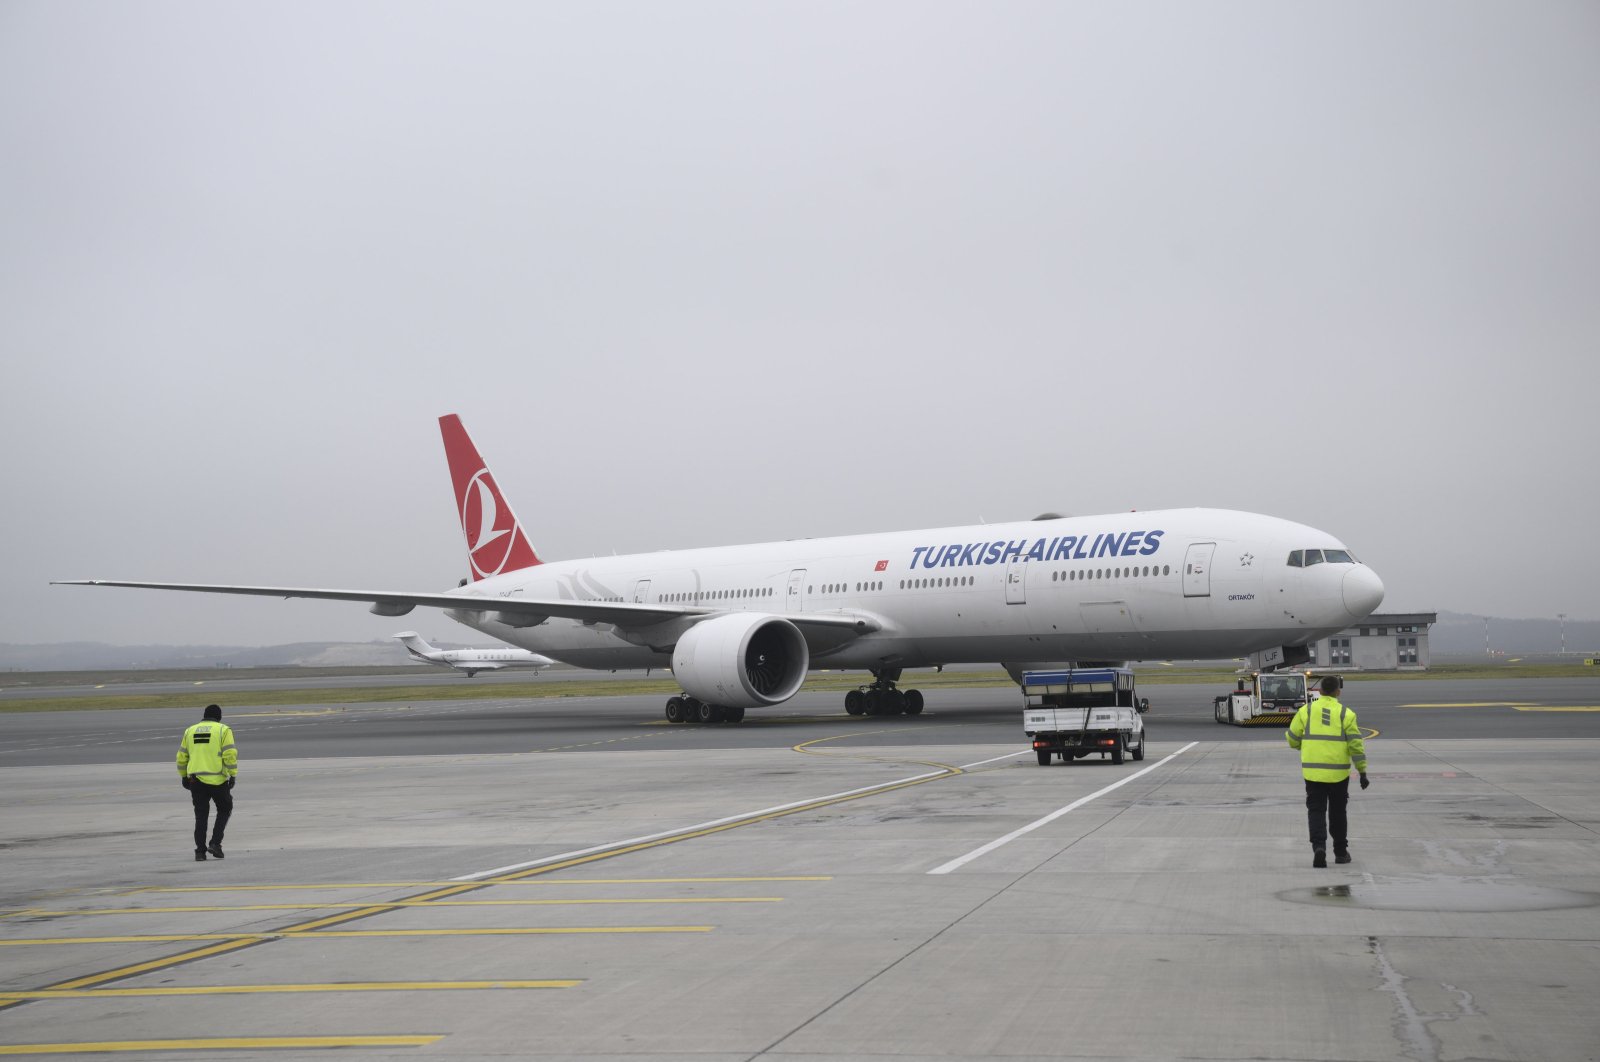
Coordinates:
[207,753]
[1329,740]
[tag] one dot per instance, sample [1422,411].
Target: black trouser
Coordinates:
[202,795]
[1325,803]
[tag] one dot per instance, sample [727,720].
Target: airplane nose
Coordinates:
[1363,591]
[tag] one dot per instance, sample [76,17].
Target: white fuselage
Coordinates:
[1181,583]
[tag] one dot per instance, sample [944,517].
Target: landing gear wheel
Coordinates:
[676,710]
[1043,756]
[855,702]
[880,697]
[1138,753]
[704,713]
[1116,750]
[736,715]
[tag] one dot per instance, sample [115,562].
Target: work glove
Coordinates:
[232,780]
[183,780]
[1364,782]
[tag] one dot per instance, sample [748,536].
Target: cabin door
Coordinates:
[1197,569]
[796,599]
[1017,582]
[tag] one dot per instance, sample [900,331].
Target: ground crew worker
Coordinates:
[208,763]
[1329,741]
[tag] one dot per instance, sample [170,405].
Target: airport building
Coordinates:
[1384,641]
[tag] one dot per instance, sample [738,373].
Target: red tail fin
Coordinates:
[495,541]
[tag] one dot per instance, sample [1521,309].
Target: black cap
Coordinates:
[214,711]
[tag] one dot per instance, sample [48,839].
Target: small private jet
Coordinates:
[473,661]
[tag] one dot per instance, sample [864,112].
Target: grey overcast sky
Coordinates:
[705,273]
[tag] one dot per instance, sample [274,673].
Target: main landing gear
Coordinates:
[882,698]
[688,710]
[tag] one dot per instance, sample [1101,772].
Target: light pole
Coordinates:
[1562,616]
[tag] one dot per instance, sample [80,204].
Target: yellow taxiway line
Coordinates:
[503,876]
[484,881]
[1474,704]
[1558,708]
[1520,706]
[251,990]
[510,931]
[218,1043]
[397,904]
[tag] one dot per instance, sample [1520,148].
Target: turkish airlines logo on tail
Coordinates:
[489,524]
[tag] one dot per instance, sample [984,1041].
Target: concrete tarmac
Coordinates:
[576,879]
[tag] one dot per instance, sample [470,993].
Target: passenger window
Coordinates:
[1297,558]
[1313,556]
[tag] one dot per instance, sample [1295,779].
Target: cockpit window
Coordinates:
[1305,558]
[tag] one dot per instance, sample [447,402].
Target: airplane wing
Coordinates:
[519,611]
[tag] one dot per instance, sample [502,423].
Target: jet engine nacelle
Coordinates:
[741,661]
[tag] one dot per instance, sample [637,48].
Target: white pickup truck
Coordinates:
[1072,713]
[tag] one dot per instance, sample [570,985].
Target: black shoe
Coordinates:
[215,848]
[1341,855]
[1319,858]
[199,855]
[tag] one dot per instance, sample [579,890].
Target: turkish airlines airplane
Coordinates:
[472,661]
[740,626]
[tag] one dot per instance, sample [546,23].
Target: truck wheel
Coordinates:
[1116,750]
[1138,753]
[1043,756]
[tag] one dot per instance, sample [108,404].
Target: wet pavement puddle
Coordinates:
[1442,894]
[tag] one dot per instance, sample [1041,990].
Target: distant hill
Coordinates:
[98,656]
